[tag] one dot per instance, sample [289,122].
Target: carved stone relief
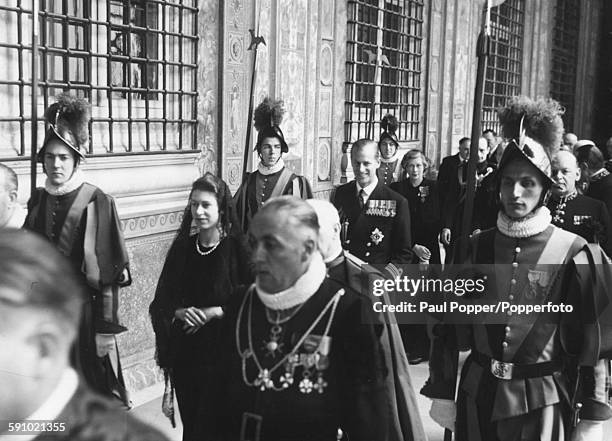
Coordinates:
[327,64]
[208,30]
[324,160]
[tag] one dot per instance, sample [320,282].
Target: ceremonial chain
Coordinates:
[291,360]
[560,208]
[276,330]
[206,253]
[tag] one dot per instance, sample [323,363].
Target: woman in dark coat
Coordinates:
[422,195]
[200,273]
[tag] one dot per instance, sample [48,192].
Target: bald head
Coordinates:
[329,228]
[569,140]
[565,173]
[8,193]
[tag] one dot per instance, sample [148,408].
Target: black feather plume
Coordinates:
[269,113]
[389,123]
[70,112]
[541,119]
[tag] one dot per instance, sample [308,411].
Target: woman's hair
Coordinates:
[217,186]
[414,154]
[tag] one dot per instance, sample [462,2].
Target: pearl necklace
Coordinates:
[205,253]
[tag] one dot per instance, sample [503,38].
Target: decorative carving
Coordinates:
[327,19]
[236,48]
[432,119]
[327,62]
[234,173]
[152,224]
[434,77]
[324,162]
[147,256]
[235,115]
[325,109]
[208,30]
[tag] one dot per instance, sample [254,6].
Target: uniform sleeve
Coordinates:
[401,252]
[443,363]
[585,332]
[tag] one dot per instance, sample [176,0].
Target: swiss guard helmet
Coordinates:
[389,125]
[68,120]
[535,129]
[267,118]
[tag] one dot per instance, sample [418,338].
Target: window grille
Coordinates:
[390,31]
[134,60]
[504,67]
[564,56]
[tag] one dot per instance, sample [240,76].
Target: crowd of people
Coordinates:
[260,309]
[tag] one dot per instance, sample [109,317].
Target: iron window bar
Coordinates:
[75,55]
[393,28]
[504,69]
[564,55]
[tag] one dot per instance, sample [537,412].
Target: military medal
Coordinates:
[317,360]
[423,192]
[377,236]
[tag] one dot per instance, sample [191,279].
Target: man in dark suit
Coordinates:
[375,219]
[40,308]
[447,175]
[591,161]
[579,214]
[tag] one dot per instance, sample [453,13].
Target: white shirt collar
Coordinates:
[367,190]
[53,405]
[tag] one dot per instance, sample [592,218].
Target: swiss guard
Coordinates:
[390,159]
[82,222]
[540,375]
[271,178]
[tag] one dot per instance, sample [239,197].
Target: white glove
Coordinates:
[444,412]
[588,430]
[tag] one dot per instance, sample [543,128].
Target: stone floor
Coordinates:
[150,411]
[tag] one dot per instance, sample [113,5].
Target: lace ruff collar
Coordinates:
[75,181]
[530,225]
[280,164]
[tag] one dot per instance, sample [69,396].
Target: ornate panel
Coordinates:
[325,109]
[235,85]
[147,257]
[236,93]
[151,224]
[208,73]
[292,56]
[324,160]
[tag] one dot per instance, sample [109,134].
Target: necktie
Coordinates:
[362,198]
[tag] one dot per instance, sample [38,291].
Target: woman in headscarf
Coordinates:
[201,271]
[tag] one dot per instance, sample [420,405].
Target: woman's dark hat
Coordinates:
[68,120]
[267,118]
